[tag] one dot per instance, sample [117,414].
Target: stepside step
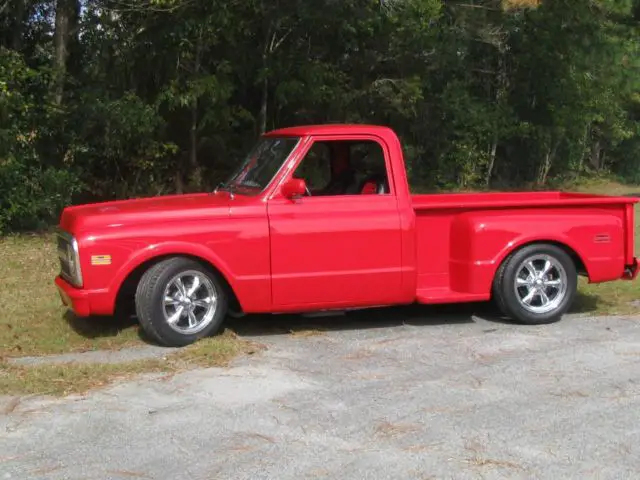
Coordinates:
[445,295]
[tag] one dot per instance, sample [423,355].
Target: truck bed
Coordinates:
[461,238]
[513,200]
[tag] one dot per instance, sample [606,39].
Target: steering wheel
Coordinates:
[307,191]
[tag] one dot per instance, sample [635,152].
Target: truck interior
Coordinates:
[337,167]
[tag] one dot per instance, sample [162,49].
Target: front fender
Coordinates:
[168,249]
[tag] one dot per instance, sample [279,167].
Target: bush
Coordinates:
[32,196]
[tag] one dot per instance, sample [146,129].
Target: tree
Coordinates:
[120,99]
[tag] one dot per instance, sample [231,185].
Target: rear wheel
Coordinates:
[179,301]
[536,285]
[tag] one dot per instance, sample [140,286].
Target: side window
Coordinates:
[315,167]
[344,167]
[367,159]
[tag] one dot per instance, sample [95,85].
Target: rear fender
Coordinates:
[561,241]
[481,241]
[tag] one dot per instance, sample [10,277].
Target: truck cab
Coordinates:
[321,217]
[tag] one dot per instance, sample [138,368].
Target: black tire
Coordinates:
[152,311]
[234,310]
[233,313]
[508,299]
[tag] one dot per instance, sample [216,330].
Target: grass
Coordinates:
[34,322]
[68,378]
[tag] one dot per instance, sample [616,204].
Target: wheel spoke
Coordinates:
[205,302]
[543,297]
[553,283]
[522,281]
[192,319]
[171,301]
[547,267]
[532,269]
[194,286]
[173,319]
[181,287]
[530,295]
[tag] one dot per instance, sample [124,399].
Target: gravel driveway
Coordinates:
[383,394]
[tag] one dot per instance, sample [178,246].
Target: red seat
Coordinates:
[369,188]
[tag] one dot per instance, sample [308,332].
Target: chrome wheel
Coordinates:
[190,302]
[540,283]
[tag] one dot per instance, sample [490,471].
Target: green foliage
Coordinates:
[117,146]
[33,189]
[32,196]
[167,95]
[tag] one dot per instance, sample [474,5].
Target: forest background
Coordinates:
[104,99]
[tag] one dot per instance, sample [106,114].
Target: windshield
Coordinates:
[262,163]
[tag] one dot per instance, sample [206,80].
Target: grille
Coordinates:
[64,249]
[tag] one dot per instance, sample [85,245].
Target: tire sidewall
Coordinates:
[160,325]
[508,299]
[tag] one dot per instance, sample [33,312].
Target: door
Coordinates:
[340,246]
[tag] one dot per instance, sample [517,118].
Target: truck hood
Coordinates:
[161,210]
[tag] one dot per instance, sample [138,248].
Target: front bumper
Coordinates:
[84,303]
[631,271]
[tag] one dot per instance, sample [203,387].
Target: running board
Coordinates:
[445,295]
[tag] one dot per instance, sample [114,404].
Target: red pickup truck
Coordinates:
[321,218]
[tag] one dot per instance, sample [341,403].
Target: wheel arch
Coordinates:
[127,287]
[578,261]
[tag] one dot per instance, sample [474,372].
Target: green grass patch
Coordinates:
[77,377]
[33,320]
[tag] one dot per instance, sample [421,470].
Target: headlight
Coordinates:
[69,259]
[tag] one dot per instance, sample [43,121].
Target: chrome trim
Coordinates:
[76,275]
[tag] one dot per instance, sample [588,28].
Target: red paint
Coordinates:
[293,188]
[287,253]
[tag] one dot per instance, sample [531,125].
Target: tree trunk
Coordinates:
[596,157]
[267,50]
[262,116]
[271,44]
[66,16]
[194,168]
[585,148]
[195,179]
[179,182]
[18,25]
[492,160]
[545,166]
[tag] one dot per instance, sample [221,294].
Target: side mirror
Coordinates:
[295,187]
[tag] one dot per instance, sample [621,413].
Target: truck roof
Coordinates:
[331,129]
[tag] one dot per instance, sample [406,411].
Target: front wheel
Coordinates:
[179,301]
[536,284]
